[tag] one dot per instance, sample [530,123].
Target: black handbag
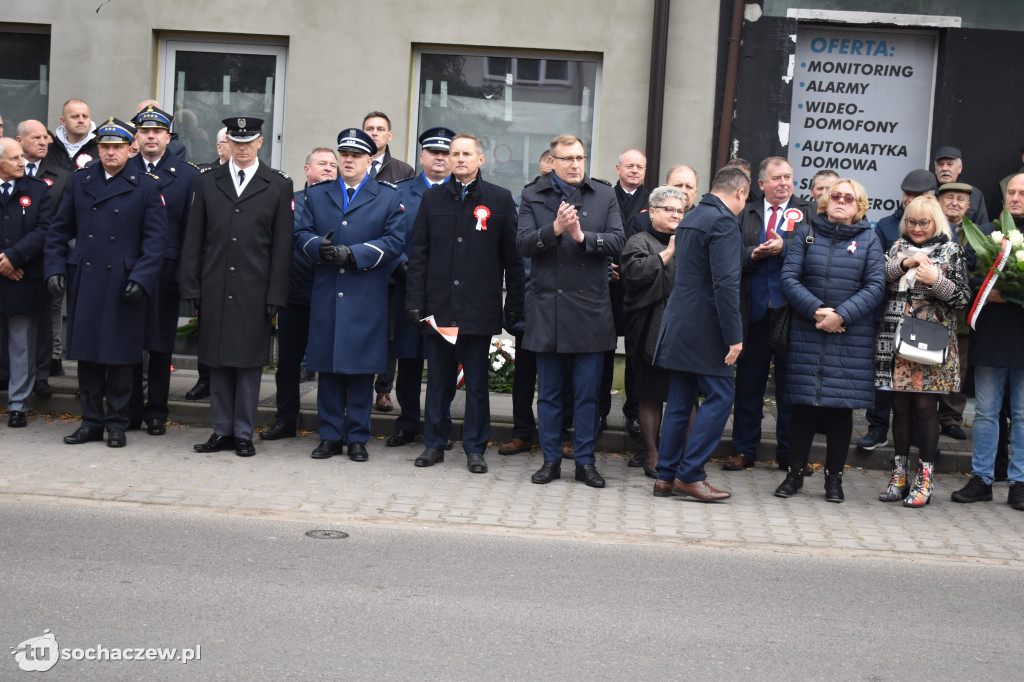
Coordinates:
[920,341]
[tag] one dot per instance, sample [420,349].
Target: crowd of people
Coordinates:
[375,269]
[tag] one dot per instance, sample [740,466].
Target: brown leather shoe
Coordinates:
[738,462]
[515,446]
[699,491]
[567,450]
[383,403]
[662,488]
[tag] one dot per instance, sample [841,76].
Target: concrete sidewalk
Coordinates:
[282,480]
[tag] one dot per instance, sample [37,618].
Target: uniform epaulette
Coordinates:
[323,182]
[152,175]
[281,173]
[206,169]
[81,169]
[403,180]
[194,166]
[386,184]
[603,182]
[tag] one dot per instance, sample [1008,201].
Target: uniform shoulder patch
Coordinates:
[205,169]
[603,182]
[322,182]
[281,173]
[80,169]
[386,184]
[155,177]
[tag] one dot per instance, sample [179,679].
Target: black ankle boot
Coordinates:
[834,487]
[792,485]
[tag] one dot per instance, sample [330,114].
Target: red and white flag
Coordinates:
[449,334]
[990,282]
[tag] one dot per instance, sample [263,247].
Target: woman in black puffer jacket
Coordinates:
[833,282]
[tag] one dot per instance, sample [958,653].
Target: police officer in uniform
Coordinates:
[462,248]
[117,217]
[407,346]
[236,267]
[176,178]
[351,229]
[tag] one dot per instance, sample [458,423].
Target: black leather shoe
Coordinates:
[83,435]
[327,449]
[56,368]
[17,419]
[589,474]
[116,439]
[602,424]
[475,463]
[401,437]
[43,389]
[357,452]
[278,431]
[449,445]
[548,472]
[244,447]
[791,486]
[633,427]
[199,391]
[155,427]
[216,444]
[954,431]
[429,457]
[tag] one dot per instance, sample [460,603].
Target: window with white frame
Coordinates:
[514,101]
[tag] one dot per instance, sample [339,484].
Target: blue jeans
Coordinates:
[989,383]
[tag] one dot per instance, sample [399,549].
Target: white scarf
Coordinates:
[910,249]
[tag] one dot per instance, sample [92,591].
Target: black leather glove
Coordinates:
[273,309]
[335,253]
[512,319]
[134,292]
[56,285]
[415,317]
[193,307]
[400,272]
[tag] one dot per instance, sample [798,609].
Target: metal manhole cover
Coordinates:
[327,534]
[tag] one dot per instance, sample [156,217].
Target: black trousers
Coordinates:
[836,423]
[292,337]
[152,405]
[524,386]
[97,382]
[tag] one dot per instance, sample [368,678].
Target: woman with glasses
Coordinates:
[833,278]
[926,278]
[649,272]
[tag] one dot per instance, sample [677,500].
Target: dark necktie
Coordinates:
[152,167]
[6,191]
[350,192]
[241,178]
[30,169]
[373,169]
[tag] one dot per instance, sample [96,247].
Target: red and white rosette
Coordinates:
[82,160]
[990,282]
[25,202]
[481,213]
[792,216]
[48,181]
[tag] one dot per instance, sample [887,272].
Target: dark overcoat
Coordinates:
[301,288]
[844,269]
[119,228]
[702,316]
[407,341]
[392,170]
[648,282]
[25,219]
[176,179]
[348,312]
[237,260]
[56,177]
[455,270]
[570,310]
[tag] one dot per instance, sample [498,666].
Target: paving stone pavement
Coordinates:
[282,479]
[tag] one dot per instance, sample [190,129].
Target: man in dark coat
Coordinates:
[74,141]
[701,337]
[117,217]
[385,168]
[407,342]
[998,366]
[293,322]
[766,228]
[32,136]
[176,177]
[569,225]
[351,230]
[235,268]
[27,210]
[462,248]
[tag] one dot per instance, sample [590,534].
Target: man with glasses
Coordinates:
[569,224]
[766,227]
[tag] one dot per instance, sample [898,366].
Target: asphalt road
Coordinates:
[395,602]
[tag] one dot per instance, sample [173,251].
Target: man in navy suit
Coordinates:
[701,337]
[351,230]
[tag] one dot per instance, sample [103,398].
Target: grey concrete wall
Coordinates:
[346,57]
